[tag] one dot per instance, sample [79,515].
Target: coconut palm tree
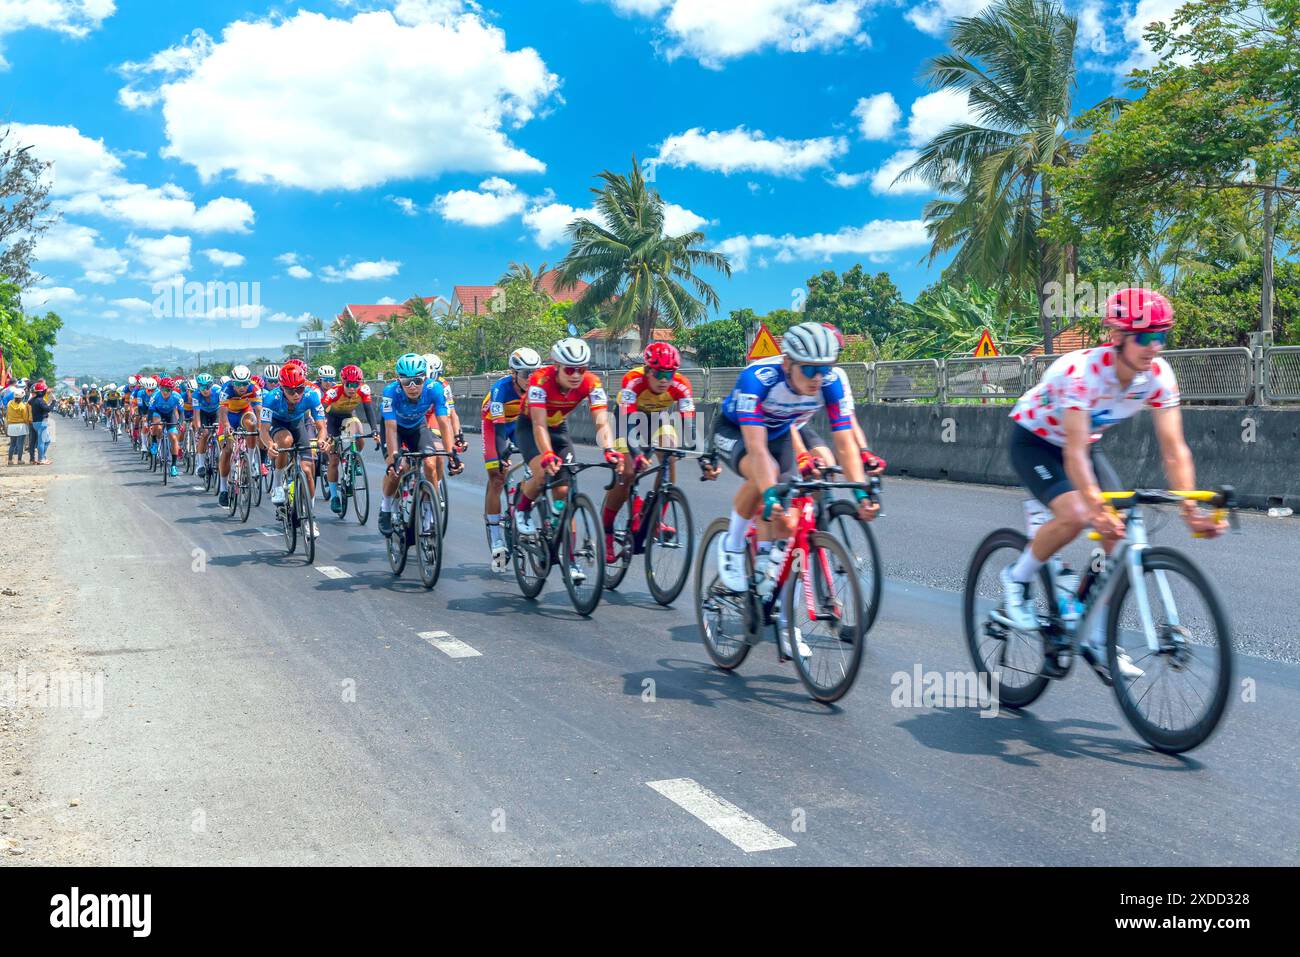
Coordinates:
[1015,63]
[639,276]
[524,273]
[346,331]
[948,320]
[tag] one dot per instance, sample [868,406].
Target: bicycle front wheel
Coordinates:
[617,571]
[396,543]
[668,546]
[726,619]
[824,617]
[288,518]
[246,487]
[582,554]
[428,534]
[841,520]
[531,556]
[360,490]
[1173,694]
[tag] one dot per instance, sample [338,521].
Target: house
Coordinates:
[624,352]
[1069,339]
[370,317]
[477,300]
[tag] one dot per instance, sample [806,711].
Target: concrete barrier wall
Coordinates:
[1255,449]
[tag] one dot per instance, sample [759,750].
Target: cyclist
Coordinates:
[207,403]
[284,425]
[771,398]
[653,389]
[326,379]
[811,449]
[113,403]
[271,376]
[92,400]
[165,410]
[406,405]
[553,392]
[501,408]
[1054,450]
[242,402]
[341,403]
[435,373]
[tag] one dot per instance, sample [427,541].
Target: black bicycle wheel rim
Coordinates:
[444,501]
[360,490]
[588,554]
[428,540]
[303,498]
[532,560]
[860,542]
[288,520]
[615,573]
[245,493]
[712,602]
[397,541]
[665,586]
[1131,695]
[837,670]
[990,644]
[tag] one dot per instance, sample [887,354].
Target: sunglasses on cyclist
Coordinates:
[413,380]
[297,391]
[663,374]
[1151,338]
[573,370]
[813,372]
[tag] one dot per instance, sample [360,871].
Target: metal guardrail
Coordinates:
[1282,374]
[1204,375]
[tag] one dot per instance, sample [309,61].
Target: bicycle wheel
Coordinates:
[360,489]
[727,620]
[165,456]
[840,518]
[396,543]
[306,521]
[428,534]
[246,487]
[668,546]
[823,608]
[1011,657]
[1182,693]
[208,477]
[255,478]
[532,556]
[616,572]
[444,500]
[582,554]
[288,518]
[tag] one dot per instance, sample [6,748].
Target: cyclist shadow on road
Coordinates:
[963,731]
[700,683]
[552,604]
[372,581]
[274,558]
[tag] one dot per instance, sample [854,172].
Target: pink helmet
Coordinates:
[1139,310]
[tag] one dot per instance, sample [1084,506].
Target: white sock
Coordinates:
[385,503]
[221,483]
[1026,567]
[735,540]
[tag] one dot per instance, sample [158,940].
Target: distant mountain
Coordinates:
[79,354]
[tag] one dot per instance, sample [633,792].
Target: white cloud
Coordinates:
[549,221]
[404,203]
[74,18]
[741,150]
[877,116]
[226,260]
[679,220]
[935,112]
[386,301]
[848,180]
[495,201]
[876,238]
[713,31]
[85,178]
[882,180]
[164,257]
[934,16]
[1136,20]
[1093,34]
[41,298]
[299,272]
[135,306]
[72,243]
[293,101]
[372,269]
[285,317]
[287,259]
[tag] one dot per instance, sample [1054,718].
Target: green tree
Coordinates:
[639,276]
[519,315]
[855,302]
[1015,62]
[525,273]
[24,204]
[1221,307]
[719,343]
[948,320]
[27,341]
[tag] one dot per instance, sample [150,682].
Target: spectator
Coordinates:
[40,439]
[18,422]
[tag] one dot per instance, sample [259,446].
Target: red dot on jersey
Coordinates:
[1029,412]
[1107,357]
[1040,431]
[1070,371]
[1095,370]
[1156,394]
[1051,420]
[1016,416]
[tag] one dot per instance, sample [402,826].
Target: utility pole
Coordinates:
[1266,285]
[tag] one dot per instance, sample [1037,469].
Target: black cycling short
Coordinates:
[303,431]
[416,439]
[207,419]
[334,423]
[561,443]
[729,445]
[1041,466]
[113,403]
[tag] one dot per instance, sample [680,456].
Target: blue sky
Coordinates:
[359,151]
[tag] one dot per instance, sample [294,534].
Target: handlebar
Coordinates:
[1223,500]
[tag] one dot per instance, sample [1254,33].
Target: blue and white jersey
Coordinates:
[762,396]
[209,401]
[165,406]
[276,407]
[398,407]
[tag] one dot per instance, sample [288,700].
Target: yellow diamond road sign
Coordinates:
[764,346]
[986,347]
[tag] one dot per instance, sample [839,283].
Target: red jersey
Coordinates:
[635,396]
[544,392]
[338,402]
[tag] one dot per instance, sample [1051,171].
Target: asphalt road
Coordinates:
[259,711]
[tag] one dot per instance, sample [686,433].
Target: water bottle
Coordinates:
[1067,589]
[775,561]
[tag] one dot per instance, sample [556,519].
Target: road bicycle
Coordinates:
[114,427]
[415,519]
[295,513]
[840,517]
[569,533]
[243,475]
[188,450]
[353,484]
[1168,643]
[211,459]
[660,526]
[814,595]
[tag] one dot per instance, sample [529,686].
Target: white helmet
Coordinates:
[271,373]
[112,387]
[132,380]
[192,383]
[525,359]
[225,379]
[150,382]
[571,352]
[241,374]
[435,365]
[811,342]
[326,372]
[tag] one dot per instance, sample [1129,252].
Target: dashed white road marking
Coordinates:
[270,531]
[332,571]
[449,645]
[744,830]
[199,488]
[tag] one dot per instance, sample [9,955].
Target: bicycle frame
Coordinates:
[568,475]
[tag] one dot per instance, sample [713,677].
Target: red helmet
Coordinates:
[662,355]
[1139,310]
[294,362]
[352,374]
[292,377]
[257,381]
[166,383]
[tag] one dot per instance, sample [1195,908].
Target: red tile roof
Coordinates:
[549,284]
[474,299]
[381,312]
[660,334]
[1069,339]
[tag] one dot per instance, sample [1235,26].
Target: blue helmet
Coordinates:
[204,380]
[411,365]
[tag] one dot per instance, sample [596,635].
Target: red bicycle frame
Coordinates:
[806,524]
